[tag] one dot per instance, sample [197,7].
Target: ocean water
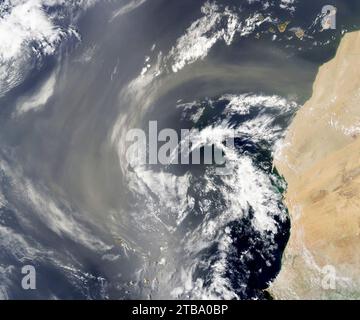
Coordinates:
[96,228]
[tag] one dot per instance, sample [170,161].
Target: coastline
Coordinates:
[321,163]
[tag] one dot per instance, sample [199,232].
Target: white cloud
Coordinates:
[27,31]
[247,187]
[203,34]
[217,24]
[132,5]
[60,221]
[288,5]
[26,22]
[39,98]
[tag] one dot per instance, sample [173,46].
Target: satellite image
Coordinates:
[179,150]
